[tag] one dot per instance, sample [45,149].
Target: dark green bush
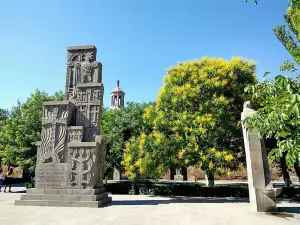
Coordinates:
[190,189]
[176,189]
[29,184]
[290,192]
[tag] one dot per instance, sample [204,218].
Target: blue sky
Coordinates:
[137,40]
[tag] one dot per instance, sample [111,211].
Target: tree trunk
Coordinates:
[209,179]
[297,170]
[284,171]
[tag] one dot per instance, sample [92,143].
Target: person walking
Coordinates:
[8,179]
[1,177]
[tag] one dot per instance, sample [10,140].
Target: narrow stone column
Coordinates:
[262,195]
[116,174]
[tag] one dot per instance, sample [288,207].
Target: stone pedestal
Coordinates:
[178,177]
[71,153]
[180,174]
[93,198]
[261,192]
[116,174]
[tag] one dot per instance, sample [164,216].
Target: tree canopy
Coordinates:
[119,126]
[289,34]
[196,119]
[22,128]
[278,114]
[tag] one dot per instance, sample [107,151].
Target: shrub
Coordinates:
[176,189]
[190,189]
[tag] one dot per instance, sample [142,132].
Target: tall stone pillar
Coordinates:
[261,192]
[71,154]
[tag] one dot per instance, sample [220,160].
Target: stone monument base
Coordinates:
[92,198]
[264,200]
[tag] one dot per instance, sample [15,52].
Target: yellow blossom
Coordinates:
[223,100]
[138,163]
[181,153]
[229,158]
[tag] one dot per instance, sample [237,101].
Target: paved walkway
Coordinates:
[146,210]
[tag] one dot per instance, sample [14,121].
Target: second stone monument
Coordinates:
[71,153]
[262,195]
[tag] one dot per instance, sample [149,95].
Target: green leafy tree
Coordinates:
[288,34]
[197,115]
[144,154]
[3,114]
[119,126]
[22,128]
[278,117]
[278,112]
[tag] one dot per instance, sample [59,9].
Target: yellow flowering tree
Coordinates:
[118,126]
[198,110]
[195,120]
[142,155]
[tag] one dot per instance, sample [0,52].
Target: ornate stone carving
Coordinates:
[54,130]
[70,128]
[82,160]
[75,133]
[71,155]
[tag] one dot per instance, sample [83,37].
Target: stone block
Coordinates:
[116,174]
[67,198]
[31,197]
[53,175]
[55,203]
[178,177]
[71,154]
[65,191]
[51,191]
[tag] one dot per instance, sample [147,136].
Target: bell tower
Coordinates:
[117,97]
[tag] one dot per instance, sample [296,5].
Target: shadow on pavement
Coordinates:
[291,209]
[177,200]
[21,191]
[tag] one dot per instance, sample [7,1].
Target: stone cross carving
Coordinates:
[71,153]
[261,192]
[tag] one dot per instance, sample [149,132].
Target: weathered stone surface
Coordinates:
[38,191]
[59,203]
[116,174]
[261,192]
[71,154]
[178,177]
[52,175]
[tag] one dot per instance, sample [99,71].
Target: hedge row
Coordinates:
[176,189]
[185,189]
[190,189]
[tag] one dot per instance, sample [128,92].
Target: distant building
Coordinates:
[117,97]
[117,102]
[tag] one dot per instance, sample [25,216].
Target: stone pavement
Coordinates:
[147,210]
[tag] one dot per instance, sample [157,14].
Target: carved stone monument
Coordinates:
[261,192]
[71,154]
[178,176]
[117,174]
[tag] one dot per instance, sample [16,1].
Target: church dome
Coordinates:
[118,89]
[117,97]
